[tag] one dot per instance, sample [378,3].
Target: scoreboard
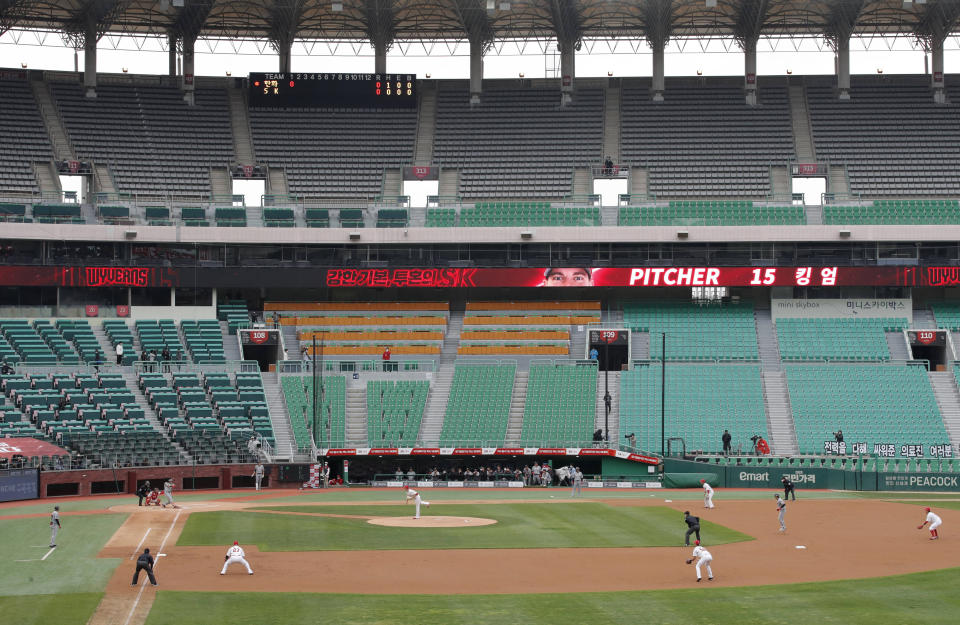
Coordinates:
[332,90]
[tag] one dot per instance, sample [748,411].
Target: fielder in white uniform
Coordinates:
[412,494]
[235,554]
[934,521]
[707,494]
[703,558]
[258,475]
[54,526]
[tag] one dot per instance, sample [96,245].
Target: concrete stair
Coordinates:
[767,340]
[355,417]
[392,183]
[240,125]
[449,185]
[578,343]
[638,181]
[780,182]
[611,123]
[813,214]
[783,436]
[948,399]
[277,181]
[897,344]
[517,402]
[923,319]
[426,124]
[285,448]
[59,140]
[221,184]
[613,435]
[436,408]
[48,178]
[639,345]
[800,116]
[837,180]
[582,181]
[231,343]
[102,180]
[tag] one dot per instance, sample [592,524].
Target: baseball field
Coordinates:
[486,556]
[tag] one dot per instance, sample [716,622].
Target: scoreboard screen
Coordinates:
[330,90]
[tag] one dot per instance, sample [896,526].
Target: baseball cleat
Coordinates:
[698,579]
[709,579]
[222,573]
[250,573]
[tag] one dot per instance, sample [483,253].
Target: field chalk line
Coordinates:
[52,549]
[136,602]
[139,544]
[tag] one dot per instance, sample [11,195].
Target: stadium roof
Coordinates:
[485,21]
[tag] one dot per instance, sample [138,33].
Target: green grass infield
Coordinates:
[61,609]
[519,526]
[918,599]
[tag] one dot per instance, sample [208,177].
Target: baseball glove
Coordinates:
[690,561]
[919,527]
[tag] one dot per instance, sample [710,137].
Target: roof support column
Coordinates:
[90,59]
[285,49]
[750,73]
[657,88]
[843,68]
[172,55]
[476,71]
[936,77]
[380,56]
[187,86]
[567,71]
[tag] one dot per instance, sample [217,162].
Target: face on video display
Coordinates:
[567,276]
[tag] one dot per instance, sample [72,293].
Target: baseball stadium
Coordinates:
[284,345]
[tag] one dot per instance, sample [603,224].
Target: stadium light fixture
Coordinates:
[609,73]
[427,74]
[124,70]
[521,74]
[879,70]
[23,65]
[699,72]
[789,72]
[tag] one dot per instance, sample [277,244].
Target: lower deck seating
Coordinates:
[478,407]
[394,411]
[836,339]
[894,212]
[560,405]
[701,401]
[298,393]
[872,404]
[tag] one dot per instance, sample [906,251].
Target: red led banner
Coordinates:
[450,277]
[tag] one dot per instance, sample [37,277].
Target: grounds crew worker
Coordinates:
[144,562]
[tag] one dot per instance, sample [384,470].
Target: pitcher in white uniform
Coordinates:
[935,521]
[235,554]
[707,494]
[703,558]
[412,494]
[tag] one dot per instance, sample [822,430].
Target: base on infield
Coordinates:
[431,521]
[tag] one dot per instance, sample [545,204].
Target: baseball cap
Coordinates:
[927,509]
[702,481]
[235,543]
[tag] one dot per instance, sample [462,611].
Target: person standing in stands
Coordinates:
[726,438]
[119,353]
[144,563]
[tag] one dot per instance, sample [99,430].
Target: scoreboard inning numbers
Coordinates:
[333,90]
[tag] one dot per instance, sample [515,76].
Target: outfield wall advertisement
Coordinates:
[17,484]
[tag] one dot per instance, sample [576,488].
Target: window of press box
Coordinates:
[189,296]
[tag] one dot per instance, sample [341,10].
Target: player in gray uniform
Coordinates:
[577,479]
[168,493]
[54,526]
[258,475]
[781,511]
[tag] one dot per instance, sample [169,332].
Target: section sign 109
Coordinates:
[333,90]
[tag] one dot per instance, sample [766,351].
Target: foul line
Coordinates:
[156,564]
[48,553]
[139,544]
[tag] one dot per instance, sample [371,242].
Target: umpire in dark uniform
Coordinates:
[144,562]
[142,491]
[693,526]
[787,488]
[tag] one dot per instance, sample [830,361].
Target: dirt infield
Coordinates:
[431,521]
[841,538]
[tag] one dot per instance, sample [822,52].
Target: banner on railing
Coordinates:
[489,451]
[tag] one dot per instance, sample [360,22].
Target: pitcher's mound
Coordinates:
[431,521]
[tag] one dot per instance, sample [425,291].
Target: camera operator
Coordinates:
[631,440]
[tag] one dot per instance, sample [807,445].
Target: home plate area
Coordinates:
[431,521]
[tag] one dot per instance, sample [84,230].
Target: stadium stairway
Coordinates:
[767,340]
[640,345]
[46,178]
[948,400]
[105,345]
[923,319]
[355,415]
[897,344]
[279,418]
[837,181]
[277,181]
[62,148]
[231,344]
[639,181]
[800,118]
[517,402]
[813,214]
[609,215]
[240,123]
[780,181]
[426,124]
[783,436]
[611,123]
[291,344]
[130,378]
[578,343]
[614,433]
[436,408]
